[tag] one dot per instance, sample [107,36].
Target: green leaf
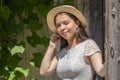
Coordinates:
[34,40]
[13,61]
[12,43]
[0,52]
[32,1]
[22,43]
[19,28]
[66,2]
[24,71]
[33,22]
[43,9]
[17,49]
[28,10]
[0,24]
[36,61]
[12,76]
[16,6]
[14,29]
[34,25]
[3,32]
[18,69]
[5,12]
[44,41]
[0,32]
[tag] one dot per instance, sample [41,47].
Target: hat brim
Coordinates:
[64,8]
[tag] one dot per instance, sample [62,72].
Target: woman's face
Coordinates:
[66,26]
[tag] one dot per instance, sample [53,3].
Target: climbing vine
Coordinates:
[15,17]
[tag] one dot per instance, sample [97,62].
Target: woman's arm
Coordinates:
[97,63]
[49,62]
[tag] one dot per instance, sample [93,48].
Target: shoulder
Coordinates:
[91,47]
[90,41]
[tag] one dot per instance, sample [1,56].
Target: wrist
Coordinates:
[52,46]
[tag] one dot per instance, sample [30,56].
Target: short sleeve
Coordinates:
[91,47]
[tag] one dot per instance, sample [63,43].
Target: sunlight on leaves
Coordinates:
[19,69]
[32,63]
[17,49]
[17,16]
[24,71]
[12,75]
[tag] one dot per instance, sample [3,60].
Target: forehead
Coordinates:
[62,16]
[73,17]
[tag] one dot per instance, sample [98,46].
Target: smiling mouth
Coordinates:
[64,33]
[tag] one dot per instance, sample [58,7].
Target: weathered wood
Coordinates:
[112,38]
[96,22]
[96,27]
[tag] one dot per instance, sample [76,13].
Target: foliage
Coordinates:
[37,58]
[15,17]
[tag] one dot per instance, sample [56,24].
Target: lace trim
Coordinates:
[91,47]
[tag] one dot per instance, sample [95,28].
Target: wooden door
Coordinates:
[96,27]
[112,39]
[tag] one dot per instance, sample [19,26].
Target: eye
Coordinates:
[66,22]
[58,25]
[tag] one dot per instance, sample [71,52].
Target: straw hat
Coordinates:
[64,8]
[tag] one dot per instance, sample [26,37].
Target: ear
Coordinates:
[77,22]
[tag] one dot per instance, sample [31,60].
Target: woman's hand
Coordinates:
[54,40]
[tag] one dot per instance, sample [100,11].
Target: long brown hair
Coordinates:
[80,31]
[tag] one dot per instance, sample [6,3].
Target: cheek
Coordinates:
[72,28]
[58,30]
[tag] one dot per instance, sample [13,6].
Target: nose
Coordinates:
[62,27]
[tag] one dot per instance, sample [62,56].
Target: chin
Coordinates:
[67,38]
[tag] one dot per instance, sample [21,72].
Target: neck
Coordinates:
[73,43]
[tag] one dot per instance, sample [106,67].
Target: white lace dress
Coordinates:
[72,64]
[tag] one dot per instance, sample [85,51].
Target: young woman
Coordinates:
[79,56]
